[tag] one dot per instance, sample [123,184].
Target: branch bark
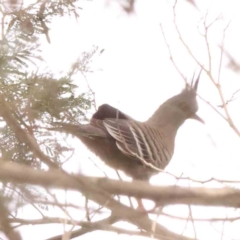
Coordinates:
[5,225]
[17,173]
[95,190]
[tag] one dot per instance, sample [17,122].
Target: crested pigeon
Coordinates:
[139,149]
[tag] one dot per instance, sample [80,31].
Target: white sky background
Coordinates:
[136,76]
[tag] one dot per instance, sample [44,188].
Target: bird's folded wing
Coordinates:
[106,111]
[140,141]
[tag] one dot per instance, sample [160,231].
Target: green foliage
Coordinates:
[37,98]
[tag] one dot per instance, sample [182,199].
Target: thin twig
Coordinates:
[208,72]
[91,90]
[221,54]
[171,55]
[192,219]
[229,219]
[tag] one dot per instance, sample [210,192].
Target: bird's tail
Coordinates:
[84,130]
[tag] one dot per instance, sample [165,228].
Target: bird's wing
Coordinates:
[107,111]
[140,141]
[96,127]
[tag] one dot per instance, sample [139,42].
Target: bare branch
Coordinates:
[91,90]
[183,41]
[233,98]
[98,190]
[171,56]
[222,49]
[183,77]
[208,72]
[85,226]
[89,227]
[162,195]
[229,219]
[5,225]
[192,219]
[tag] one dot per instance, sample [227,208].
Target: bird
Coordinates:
[139,149]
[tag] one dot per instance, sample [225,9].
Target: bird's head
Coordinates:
[185,103]
[179,108]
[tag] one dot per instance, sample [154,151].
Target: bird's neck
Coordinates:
[169,120]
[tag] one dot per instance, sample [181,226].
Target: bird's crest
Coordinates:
[181,106]
[194,82]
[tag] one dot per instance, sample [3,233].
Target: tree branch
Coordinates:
[5,225]
[14,172]
[97,189]
[207,71]
[85,226]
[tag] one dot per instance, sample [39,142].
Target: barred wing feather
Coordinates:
[140,141]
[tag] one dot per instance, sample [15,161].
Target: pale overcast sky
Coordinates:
[134,74]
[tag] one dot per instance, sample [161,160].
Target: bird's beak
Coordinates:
[196,117]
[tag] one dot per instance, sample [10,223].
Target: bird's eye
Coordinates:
[184,107]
